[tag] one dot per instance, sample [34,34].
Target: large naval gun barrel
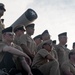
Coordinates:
[26,18]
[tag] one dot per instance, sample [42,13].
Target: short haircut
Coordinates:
[71,53]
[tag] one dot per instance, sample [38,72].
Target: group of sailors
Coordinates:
[20,54]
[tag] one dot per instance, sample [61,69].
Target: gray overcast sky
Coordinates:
[55,15]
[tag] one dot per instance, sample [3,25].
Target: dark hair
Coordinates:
[71,53]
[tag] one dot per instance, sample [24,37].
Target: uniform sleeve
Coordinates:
[2,46]
[43,53]
[23,40]
[1,28]
[19,48]
[55,54]
[20,58]
[65,67]
[39,46]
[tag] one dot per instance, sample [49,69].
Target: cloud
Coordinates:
[55,15]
